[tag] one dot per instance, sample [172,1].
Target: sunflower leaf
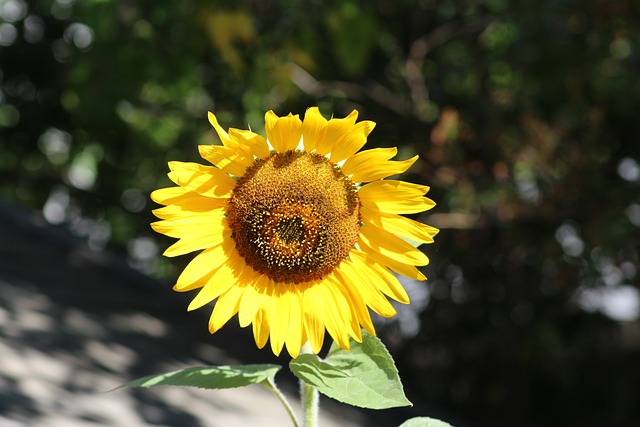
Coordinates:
[424,422]
[211,377]
[364,376]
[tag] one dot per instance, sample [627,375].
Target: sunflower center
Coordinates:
[294,216]
[291,230]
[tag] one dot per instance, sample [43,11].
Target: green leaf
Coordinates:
[211,377]
[365,376]
[424,422]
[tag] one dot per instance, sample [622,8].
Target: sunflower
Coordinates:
[299,232]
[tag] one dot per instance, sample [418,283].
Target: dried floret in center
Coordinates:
[291,230]
[294,216]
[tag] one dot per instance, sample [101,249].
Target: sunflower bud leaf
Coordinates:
[211,377]
[365,376]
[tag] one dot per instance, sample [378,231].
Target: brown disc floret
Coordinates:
[294,216]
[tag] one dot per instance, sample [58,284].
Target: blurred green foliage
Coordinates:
[525,115]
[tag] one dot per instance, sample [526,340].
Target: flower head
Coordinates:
[299,232]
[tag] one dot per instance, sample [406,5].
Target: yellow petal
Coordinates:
[406,206]
[252,143]
[279,318]
[203,265]
[351,317]
[336,313]
[352,289]
[393,189]
[312,317]
[366,159]
[265,315]
[224,137]
[206,223]
[261,328]
[190,206]
[228,160]
[399,267]
[352,141]
[395,197]
[360,276]
[226,307]
[193,243]
[399,225]
[314,128]
[388,283]
[252,299]
[336,129]
[167,196]
[295,337]
[283,133]
[206,180]
[391,246]
[221,280]
[366,172]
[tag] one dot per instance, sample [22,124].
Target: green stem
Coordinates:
[310,398]
[271,386]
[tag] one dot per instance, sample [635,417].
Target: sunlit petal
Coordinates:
[283,133]
[351,142]
[336,129]
[314,128]
[224,136]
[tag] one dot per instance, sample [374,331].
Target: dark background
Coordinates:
[525,115]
